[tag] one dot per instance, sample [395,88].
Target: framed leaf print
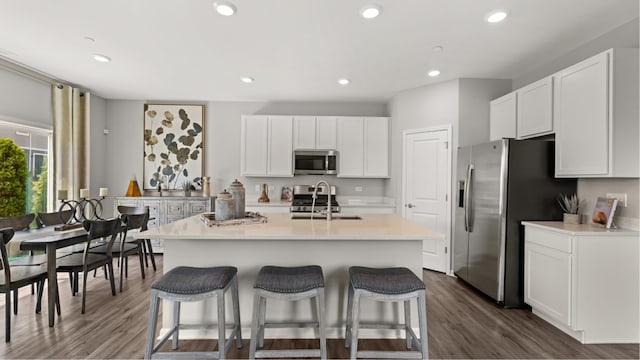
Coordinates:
[173,145]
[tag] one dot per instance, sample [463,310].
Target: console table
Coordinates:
[166,209]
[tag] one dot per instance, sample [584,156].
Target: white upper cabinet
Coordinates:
[326,132]
[502,114]
[596,116]
[267,146]
[314,132]
[363,147]
[304,132]
[350,147]
[535,109]
[376,147]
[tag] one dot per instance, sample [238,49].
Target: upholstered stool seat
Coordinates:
[186,283]
[287,283]
[395,284]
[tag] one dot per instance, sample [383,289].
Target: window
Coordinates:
[37,145]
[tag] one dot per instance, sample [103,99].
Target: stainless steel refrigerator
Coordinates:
[500,184]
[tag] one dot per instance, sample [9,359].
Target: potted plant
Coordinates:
[187,186]
[571,207]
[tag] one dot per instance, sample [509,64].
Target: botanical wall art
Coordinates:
[173,145]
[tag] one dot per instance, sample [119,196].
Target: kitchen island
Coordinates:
[377,240]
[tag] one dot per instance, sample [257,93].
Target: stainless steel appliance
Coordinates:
[499,184]
[315,162]
[303,199]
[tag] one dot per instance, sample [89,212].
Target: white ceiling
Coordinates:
[295,49]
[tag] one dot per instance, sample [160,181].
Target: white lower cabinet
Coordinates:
[584,280]
[164,210]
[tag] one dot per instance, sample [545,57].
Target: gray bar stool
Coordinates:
[287,283]
[186,283]
[392,285]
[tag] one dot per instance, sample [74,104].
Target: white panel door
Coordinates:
[581,111]
[304,132]
[502,114]
[426,191]
[535,109]
[326,132]
[376,147]
[280,157]
[350,147]
[255,133]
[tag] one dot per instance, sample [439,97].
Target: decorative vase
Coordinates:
[571,218]
[264,197]
[206,186]
[133,189]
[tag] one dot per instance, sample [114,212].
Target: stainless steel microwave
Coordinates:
[315,162]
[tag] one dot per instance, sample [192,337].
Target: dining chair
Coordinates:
[20,223]
[133,219]
[146,243]
[11,279]
[53,218]
[58,218]
[87,260]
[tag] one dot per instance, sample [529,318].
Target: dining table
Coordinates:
[50,240]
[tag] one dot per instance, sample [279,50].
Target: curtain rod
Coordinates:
[30,72]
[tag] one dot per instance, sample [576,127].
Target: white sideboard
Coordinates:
[166,209]
[584,280]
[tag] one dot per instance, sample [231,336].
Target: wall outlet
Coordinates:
[622,198]
[257,188]
[358,188]
[271,187]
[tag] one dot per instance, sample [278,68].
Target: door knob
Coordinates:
[410,205]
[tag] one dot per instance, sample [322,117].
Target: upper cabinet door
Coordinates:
[280,158]
[350,147]
[502,123]
[376,147]
[254,137]
[582,118]
[535,109]
[325,131]
[304,132]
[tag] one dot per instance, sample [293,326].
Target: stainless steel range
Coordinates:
[303,199]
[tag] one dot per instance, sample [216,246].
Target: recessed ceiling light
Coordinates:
[371,11]
[101,58]
[247,80]
[433,73]
[225,8]
[343,81]
[89,39]
[438,48]
[496,16]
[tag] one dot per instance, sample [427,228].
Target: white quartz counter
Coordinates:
[579,229]
[282,227]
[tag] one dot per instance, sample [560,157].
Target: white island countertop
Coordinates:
[282,227]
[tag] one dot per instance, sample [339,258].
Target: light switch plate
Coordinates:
[622,198]
[358,188]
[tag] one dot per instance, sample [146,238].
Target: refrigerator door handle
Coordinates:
[468,212]
[466,198]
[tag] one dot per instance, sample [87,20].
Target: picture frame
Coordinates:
[173,145]
[287,193]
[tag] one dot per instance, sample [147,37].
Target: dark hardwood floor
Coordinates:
[461,323]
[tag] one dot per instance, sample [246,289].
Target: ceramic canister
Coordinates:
[237,190]
[224,206]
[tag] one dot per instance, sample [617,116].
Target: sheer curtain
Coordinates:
[71,142]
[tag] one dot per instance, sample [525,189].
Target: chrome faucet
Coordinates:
[315,195]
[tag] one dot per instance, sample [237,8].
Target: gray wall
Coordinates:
[222,141]
[461,103]
[589,189]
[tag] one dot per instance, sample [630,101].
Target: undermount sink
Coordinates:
[324,217]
